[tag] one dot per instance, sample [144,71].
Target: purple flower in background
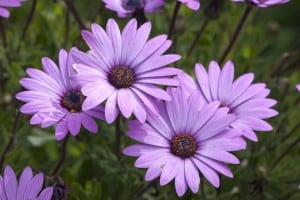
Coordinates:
[183,139]
[192,4]
[247,101]
[126,7]
[298,87]
[29,186]
[264,3]
[54,99]
[123,69]
[8,3]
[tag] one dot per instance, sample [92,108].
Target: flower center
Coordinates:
[183,145]
[121,77]
[134,3]
[72,101]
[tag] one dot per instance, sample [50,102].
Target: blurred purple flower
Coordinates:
[298,87]
[184,138]
[264,3]
[53,98]
[29,186]
[192,4]
[8,3]
[247,101]
[123,69]
[125,8]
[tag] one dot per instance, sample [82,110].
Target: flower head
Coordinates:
[8,3]
[125,8]
[298,87]
[123,69]
[245,100]
[28,187]
[264,3]
[52,98]
[192,4]
[184,138]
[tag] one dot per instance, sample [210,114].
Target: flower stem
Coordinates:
[175,14]
[11,140]
[27,23]
[293,144]
[75,14]
[4,40]
[199,33]
[118,137]
[236,33]
[62,156]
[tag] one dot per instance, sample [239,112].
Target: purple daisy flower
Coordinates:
[52,98]
[8,3]
[247,101]
[298,87]
[29,186]
[183,139]
[124,8]
[192,4]
[264,3]
[124,68]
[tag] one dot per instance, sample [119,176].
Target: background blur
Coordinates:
[269,46]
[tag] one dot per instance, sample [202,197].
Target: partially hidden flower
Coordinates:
[192,4]
[124,69]
[298,87]
[124,8]
[186,138]
[8,3]
[264,3]
[28,186]
[53,99]
[247,101]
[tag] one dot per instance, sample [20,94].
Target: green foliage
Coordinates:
[267,46]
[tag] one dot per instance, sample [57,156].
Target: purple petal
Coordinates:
[114,34]
[219,155]
[61,130]
[225,81]
[46,194]
[152,173]
[170,170]
[111,109]
[124,103]
[25,178]
[191,175]
[140,149]
[89,123]
[153,91]
[74,123]
[203,81]
[150,137]
[207,172]
[180,182]
[34,187]
[10,183]
[138,107]
[214,75]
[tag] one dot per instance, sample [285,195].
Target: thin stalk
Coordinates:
[118,137]
[175,14]
[62,158]
[11,139]
[236,33]
[287,150]
[4,40]
[198,35]
[27,23]
[75,14]
[144,189]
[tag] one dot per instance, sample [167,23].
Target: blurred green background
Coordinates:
[269,46]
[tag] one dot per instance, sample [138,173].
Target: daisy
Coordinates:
[245,100]
[183,140]
[123,69]
[264,3]
[8,3]
[124,8]
[54,99]
[28,187]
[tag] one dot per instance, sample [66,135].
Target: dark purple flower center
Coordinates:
[134,4]
[72,101]
[121,77]
[183,145]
